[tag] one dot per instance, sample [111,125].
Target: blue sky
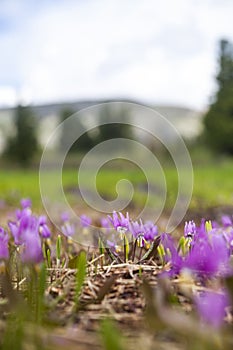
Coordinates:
[154,51]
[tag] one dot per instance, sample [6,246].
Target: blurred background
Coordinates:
[58,57]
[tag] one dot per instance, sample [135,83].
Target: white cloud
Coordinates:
[160,51]
[7,96]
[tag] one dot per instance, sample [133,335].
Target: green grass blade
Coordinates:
[111,338]
[81,274]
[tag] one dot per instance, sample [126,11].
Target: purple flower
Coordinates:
[68,229]
[171,254]
[24,212]
[190,229]
[85,220]
[151,231]
[168,243]
[26,234]
[228,235]
[26,208]
[222,253]
[119,222]
[211,307]
[65,216]
[32,252]
[26,203]
[104,222]
[137,229]
[4,251]
[226,220]
[43,227]
[200,259]
[201,230]
[215,225]
[111,244]
[209,256]
[42,220]
[27,222]
[14,228]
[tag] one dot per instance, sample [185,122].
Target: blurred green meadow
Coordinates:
[213,185]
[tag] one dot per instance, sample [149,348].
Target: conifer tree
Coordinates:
[218,121]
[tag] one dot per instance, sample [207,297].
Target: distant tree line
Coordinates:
[91,138]
[23,145]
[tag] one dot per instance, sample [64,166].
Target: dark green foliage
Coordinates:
[218,121]
[114,130]
[71,130]
[74,127]
[23,146]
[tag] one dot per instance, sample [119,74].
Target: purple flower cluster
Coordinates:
[206,250]
[68,228]
[143,232]
[27,231]
[122,224]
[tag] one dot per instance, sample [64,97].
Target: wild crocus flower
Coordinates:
[68,229]
[26,203]
[228,236]
[170,253]
[14,228]
[200,259]
[4,251]
[190,229]
[24,212]
[201,230]
[32,251]
[85,220]
[65,216]
[136,228]
[221,251]
[168,243]
[151,231]
[209,256]
[43,227]
[111,244]
[119,222]
[226,221]
[104,222]
[138,232]
[211,307]
[26,208]
[27,222]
